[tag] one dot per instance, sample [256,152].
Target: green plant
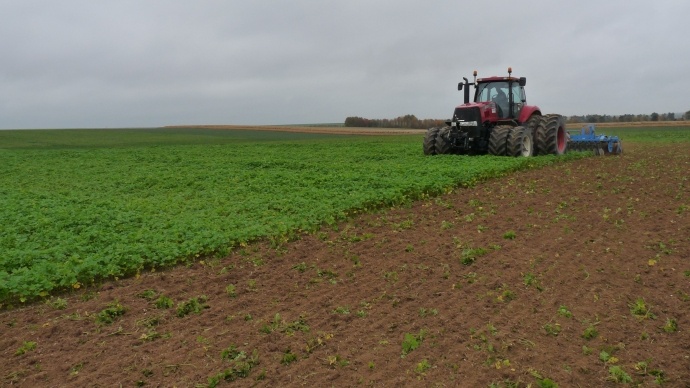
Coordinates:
[27,346]
[58,303]
[163,302]
[564,312]
[423,312]
[670,326]
[301,267]
[590,332]
[109,314]
[231,291]
[148,294]
[470,255]
[546,383]
[422,366]
[617,374]
[193,305]
[342,310]
[288,357]
[412,341]
[640,309]
[509,235]
[552,328]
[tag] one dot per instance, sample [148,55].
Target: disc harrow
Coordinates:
[586,139]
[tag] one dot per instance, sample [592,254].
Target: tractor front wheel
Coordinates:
[430,141]
[443,143]
[498,140]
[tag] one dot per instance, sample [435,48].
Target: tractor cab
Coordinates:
[505,95]
[509,97]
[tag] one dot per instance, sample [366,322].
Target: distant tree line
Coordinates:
[410,121]
[627,118]
[407,121]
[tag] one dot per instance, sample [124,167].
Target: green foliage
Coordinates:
[288,357]
[564,312]
[193,305]
[241,365]
[412,342]
[617,374]
[231,291]
[80,206]
[640,309]
[163,302]
[671,325]
[27,346]
[470,255]
[590,332]
[552,329]
[109,314]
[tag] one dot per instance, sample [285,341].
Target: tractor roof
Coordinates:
[494,79]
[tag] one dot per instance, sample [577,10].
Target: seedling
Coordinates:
[27,346]
[552,328]
[58,303]
[301,267]
[509,235]
[564,312]
[110,313]
[423,312]
[590,332]
[288,357]
[163,302]
[148,294]
[470,255]
[640,309]
[344,310]
[670,326]
[412,342]
[617,374]
[193,305]
[337,361]
[422,367]
[231,291]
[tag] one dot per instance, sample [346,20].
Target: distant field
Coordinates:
[82,205]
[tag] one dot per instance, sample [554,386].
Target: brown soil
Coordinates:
[595,236]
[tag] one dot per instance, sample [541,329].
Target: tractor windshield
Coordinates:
[489,91]
[496,92]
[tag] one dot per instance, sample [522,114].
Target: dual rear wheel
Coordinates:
[506,140]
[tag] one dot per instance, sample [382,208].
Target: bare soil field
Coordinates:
[577,274]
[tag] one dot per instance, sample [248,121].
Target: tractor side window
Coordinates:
[518,99]
[483,93]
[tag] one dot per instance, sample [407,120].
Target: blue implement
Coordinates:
[586,139]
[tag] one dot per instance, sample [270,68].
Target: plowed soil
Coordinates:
[577,273]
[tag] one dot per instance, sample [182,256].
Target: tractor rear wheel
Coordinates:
[520,142]
[443,144]
[498,140]
[430,141]
[551,135]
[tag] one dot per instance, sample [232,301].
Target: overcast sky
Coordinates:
[119,63]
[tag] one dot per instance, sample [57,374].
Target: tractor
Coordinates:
[498,122]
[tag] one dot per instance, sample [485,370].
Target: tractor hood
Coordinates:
[474,113]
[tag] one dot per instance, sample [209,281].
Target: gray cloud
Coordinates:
[133,63]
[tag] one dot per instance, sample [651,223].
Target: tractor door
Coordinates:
[519,98]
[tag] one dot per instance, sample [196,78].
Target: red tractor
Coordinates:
[498,122]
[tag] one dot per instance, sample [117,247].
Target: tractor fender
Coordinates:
[527,112]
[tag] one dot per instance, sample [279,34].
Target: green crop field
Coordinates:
[79,206]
